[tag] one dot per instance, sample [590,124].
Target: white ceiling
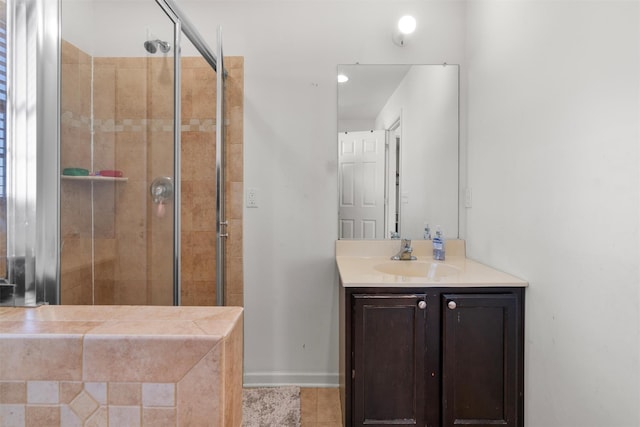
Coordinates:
[368,89]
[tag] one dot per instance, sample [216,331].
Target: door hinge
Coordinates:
[353,374]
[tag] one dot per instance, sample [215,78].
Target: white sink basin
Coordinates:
[431,270]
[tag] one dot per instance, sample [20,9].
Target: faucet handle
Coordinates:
[405,251]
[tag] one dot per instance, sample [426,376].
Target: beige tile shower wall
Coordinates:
[133,132]
[127,92]
[234,98]
[87,212]
[198,181]
[120,110]
[160,162]
[143,269]
[105,194]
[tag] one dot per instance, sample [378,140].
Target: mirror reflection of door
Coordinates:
[425,98]
[361,160]
[392,182]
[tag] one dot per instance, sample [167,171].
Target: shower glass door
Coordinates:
[117,153]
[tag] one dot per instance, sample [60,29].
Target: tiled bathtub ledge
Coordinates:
[121,365]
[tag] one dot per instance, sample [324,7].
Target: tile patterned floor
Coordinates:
[320,407]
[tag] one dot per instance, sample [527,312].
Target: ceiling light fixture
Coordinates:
[406,25]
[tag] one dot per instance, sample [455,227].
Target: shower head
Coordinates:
[152,46]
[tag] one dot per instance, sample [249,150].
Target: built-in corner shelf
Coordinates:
[94,178]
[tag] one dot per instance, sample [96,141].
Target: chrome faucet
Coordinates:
[405,252]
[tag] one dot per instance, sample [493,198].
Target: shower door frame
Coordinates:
[216,62]
[33,150]
[33,165]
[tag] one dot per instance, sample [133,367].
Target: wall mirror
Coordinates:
[398,138]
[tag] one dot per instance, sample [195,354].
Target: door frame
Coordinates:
[397,123]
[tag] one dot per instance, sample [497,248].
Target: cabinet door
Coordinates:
[480,378]
[388,359]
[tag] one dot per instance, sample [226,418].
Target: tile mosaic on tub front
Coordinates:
[184,368]
[84,405]
[136,359]
[200,401]
[125,393]
[100,418]
[40,357]
[42,416]
[158,394]
[42,392]
[159,417]
[13,392]
[12,415]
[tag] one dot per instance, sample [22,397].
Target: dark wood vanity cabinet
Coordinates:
[482,359]
[432,356]
[388,357]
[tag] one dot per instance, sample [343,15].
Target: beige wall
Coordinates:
[133,132]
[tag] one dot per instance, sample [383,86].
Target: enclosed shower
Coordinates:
[124,183]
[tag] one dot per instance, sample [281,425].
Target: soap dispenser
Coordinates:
[438,245]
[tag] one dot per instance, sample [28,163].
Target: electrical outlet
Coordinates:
[252,197]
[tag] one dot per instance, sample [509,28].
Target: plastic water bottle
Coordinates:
[438,245]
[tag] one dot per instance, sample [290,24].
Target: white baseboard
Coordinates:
[272,379]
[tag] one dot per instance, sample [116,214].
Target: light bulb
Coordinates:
[407,24]
[342,78]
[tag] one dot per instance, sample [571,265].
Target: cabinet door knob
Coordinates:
[452,305]
[422,305]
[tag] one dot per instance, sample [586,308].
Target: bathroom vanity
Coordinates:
[428,343]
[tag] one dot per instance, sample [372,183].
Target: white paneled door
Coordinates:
[361,162]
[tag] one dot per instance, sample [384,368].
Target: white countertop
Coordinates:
[363,264]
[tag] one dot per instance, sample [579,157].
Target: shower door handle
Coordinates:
[224,224]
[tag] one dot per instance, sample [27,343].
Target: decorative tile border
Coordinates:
[68,118]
